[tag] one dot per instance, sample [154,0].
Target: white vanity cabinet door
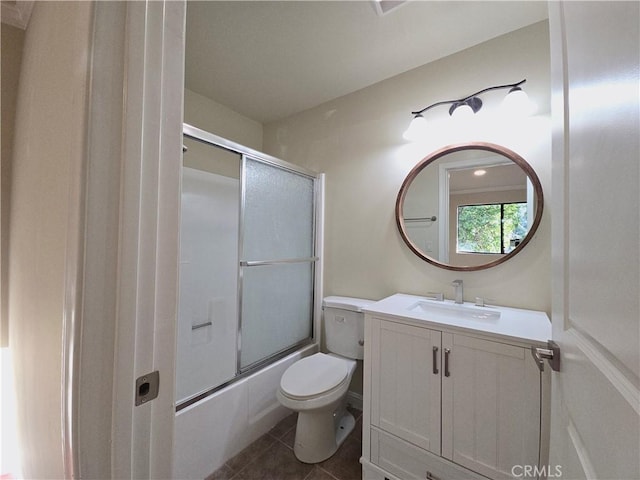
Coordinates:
[405,391]
[490,406]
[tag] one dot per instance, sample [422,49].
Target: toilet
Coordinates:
[316,386]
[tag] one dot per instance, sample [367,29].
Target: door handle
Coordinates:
[447,351]
[435,361]
[551,353]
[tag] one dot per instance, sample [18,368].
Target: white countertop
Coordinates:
[514,324]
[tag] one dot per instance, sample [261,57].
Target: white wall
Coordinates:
[45,202]
[357,141]
[208,115]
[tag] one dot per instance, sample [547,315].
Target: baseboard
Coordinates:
[354,400]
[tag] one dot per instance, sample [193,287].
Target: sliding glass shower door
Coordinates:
[277,266]
[208,306]
[247,266]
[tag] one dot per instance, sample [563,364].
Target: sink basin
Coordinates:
[455,310]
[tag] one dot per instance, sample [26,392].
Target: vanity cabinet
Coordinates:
[446,403]
[405,396]
[490,406]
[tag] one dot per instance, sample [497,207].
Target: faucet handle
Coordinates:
[456,283]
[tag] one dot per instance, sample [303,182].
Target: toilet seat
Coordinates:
[318,374]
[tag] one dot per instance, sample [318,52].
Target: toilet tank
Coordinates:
[344,325]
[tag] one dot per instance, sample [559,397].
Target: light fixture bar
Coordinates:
[468,99]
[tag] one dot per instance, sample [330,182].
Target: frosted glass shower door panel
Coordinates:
[208,306]
[278,213]
[277,267]
[277,309]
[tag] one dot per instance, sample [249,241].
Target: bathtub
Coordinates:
[215,429]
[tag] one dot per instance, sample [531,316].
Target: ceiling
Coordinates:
[268,59]
[497,177]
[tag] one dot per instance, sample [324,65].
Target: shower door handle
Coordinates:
[260,263]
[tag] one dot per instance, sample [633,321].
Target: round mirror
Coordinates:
[470,206]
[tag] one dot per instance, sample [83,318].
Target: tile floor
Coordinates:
[271,457]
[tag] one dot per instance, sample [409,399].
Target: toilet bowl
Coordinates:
[316,386]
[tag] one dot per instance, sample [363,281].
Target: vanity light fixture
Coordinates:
[466,107]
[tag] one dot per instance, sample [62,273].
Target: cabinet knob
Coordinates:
[431,476]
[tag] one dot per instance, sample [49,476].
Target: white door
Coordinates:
[405,382]
[490,405]
[595,427]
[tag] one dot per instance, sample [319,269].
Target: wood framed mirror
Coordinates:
[469,206]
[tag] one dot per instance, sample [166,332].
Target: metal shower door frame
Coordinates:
[247,153]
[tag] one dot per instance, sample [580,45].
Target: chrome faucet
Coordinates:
[459,295]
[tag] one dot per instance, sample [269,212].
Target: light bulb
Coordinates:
[462,112]
[517,103]
[417,129]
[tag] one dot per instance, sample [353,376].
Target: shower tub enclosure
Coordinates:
[249,277]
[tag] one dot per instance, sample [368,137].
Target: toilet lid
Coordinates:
[314,375]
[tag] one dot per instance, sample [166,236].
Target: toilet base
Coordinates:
[318,435]
[345,427]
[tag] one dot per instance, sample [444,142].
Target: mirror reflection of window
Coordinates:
[491,228]
[481,224]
